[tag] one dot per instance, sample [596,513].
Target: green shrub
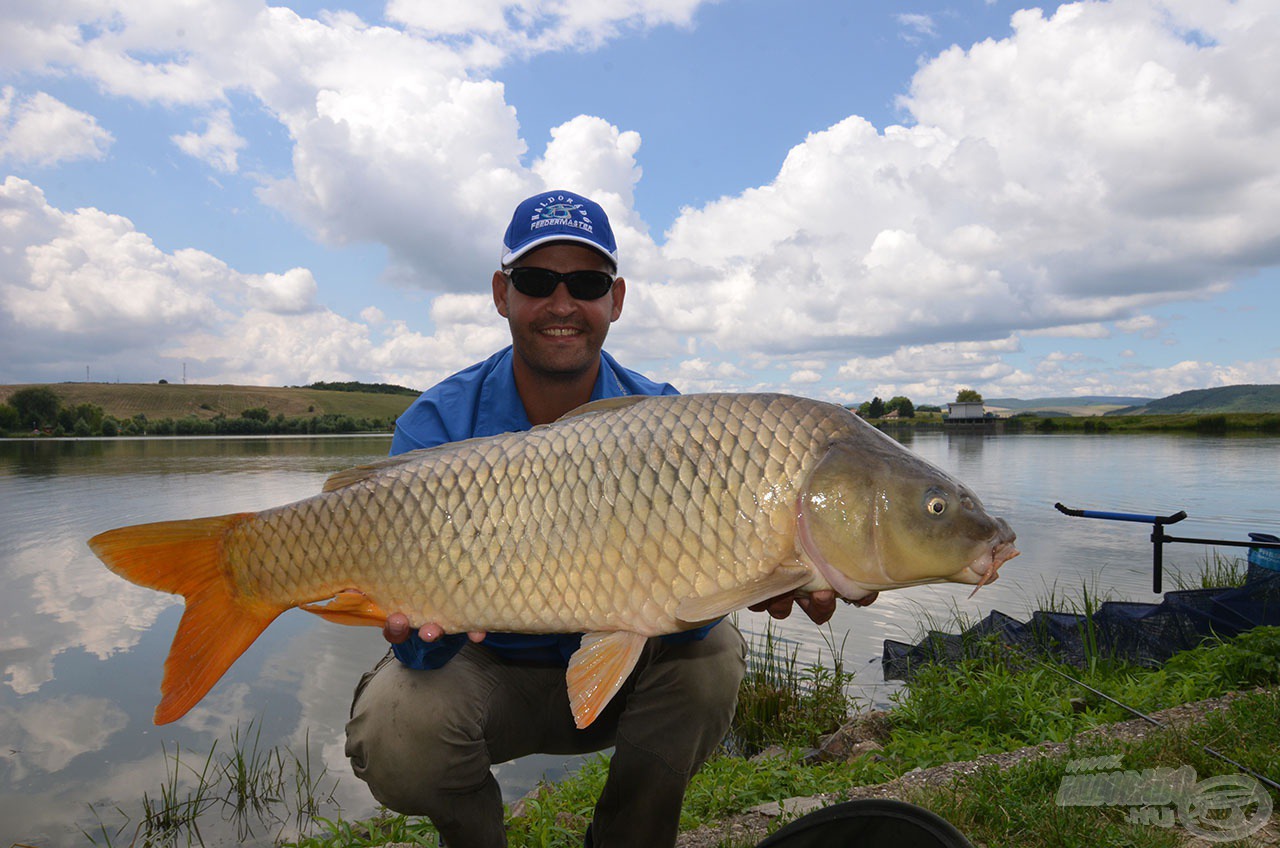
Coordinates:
[9,421]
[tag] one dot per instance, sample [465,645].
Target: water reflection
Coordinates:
[81,651]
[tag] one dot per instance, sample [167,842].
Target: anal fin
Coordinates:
[597,671]
[349,607]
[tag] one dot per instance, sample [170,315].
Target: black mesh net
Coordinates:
[1146,634]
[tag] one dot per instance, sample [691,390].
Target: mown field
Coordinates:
[157,401]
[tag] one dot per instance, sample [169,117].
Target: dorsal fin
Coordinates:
[351,476]
[603,405]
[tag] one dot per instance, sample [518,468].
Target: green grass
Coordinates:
[1242,423]
[156,401]
[1019,806]
[1205,424]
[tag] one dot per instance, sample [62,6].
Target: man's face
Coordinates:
[557,336]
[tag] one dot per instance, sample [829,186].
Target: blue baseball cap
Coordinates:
[558,216]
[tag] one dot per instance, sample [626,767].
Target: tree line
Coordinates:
[39,410]
[877,408]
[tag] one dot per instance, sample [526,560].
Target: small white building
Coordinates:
[967,411]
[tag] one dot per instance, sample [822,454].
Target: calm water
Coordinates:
[82,651]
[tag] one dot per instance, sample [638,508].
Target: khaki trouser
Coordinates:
[424,740]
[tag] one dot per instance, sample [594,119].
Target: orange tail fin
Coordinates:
[186,558]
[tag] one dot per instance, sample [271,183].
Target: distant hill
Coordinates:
[1249,398]
[1082,405]
[173,400]
[1080,400]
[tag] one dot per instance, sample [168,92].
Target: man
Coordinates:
[429,721]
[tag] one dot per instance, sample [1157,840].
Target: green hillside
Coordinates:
[1249,398]
[157,401]
[1056,402]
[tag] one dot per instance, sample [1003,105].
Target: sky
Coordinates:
[822,197]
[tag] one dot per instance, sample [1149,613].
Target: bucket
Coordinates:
[1265,557]
[869,823]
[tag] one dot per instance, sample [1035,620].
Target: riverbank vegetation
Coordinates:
[782,747]
[1219,424]
[49,411]
[1227,423]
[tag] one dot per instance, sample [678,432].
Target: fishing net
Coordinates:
[1145,634]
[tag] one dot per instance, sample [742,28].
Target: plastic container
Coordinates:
[1265,557]
[869,823]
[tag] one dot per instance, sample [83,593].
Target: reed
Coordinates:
[781,702]
[1216,570]
[247,786]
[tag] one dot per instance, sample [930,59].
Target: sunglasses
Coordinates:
[541,282]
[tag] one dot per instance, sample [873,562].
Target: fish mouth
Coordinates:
[984,569]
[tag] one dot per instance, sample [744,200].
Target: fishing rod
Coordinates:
[1140,714]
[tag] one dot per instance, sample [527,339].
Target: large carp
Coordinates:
[626,519]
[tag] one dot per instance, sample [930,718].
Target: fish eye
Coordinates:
[936,505]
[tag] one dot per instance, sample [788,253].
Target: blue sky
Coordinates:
[836,199]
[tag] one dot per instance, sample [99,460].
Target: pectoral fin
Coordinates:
[349,607]
[598,669]
[781,580]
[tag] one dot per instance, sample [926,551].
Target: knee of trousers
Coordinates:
[410,742]
[711,670]
[683,703]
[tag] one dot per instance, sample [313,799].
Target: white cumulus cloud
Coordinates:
[41,130]
[218,145]
[1094,164]
[87,286]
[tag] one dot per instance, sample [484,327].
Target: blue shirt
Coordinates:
[482,401]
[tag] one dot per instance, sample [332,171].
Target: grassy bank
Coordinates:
[93,410]
[1221,423]
[156,401]
[1215,424]
[1028,812]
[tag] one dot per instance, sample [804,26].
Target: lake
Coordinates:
[82,650]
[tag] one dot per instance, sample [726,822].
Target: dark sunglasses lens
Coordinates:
[534,282]
[541,282]
[588,285]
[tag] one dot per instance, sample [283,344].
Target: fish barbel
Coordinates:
[626,519]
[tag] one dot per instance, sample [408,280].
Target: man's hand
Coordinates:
[396,629]
[819,606]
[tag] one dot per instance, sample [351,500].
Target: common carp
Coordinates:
[627,518]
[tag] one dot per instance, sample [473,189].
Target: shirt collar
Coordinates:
[500,408]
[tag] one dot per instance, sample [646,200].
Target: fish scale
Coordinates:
[627,519]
